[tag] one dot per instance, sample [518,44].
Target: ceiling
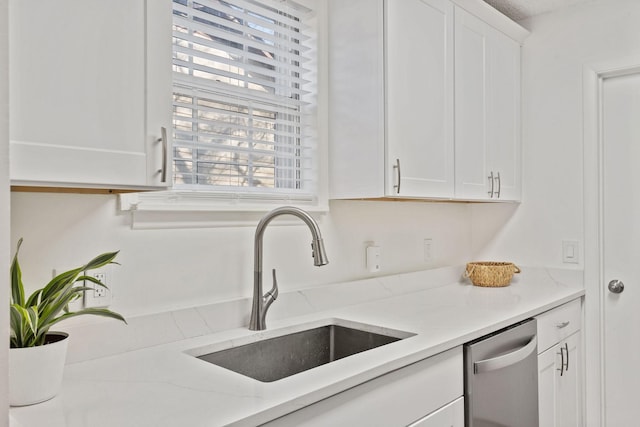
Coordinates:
[521,9]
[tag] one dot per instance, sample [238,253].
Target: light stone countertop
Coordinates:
[163,386]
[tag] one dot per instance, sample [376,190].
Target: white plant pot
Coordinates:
[35,373]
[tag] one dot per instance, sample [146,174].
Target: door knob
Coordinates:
[616,286]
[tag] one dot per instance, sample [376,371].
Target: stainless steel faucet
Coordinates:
[261,302]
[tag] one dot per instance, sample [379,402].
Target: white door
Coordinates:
[621,247]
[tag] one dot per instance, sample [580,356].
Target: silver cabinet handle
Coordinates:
[561,362]
[399,175]
[616,286]
[505,360]
[564,363]
[163,139]
[563,325]
[499,186]
[490,177]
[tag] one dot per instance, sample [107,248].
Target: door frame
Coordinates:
[593,187]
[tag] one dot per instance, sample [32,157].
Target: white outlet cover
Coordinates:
[98,297]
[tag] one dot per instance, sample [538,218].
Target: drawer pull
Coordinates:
[562,325]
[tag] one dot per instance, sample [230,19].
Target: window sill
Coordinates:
[197,209]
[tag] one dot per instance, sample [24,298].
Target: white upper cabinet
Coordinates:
[487,111]
[419,98]
[90,89]
[391,95]
[400,72]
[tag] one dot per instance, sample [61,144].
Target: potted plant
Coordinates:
[37,354]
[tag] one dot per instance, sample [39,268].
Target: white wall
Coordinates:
[553,57]
[4,214]
[174,268]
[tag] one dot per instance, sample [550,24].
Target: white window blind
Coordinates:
[244,86]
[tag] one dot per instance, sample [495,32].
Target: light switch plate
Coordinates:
[428,250]
[570,252]
[374,255]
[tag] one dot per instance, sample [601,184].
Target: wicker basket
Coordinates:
[490,274]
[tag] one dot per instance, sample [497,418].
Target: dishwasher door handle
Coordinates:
[505,360]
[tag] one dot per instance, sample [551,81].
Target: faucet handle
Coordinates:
[272,295]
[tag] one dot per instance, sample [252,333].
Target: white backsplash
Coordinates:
[169,269]
[92,340]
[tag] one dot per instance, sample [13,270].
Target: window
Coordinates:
[244,89]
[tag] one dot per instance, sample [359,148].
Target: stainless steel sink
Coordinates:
[280,357]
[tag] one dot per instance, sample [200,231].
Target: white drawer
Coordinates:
[557,324]
[398,398]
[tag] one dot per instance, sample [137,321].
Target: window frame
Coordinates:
[186,204]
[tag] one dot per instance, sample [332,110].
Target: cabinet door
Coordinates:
[419,98]
[79,99]
[471,88]
[569,392]
[559,385]
[356,97]
[451,415]
[503,115]
[487,111]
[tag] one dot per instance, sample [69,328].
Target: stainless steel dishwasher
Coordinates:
[501,378]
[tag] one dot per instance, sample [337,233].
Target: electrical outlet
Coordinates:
[97,296]
[99,291]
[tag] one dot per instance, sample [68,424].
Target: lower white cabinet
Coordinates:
[451,415]
[426,394]
[560,367]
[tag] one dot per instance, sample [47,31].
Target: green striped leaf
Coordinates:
[104,312]
[17,288]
